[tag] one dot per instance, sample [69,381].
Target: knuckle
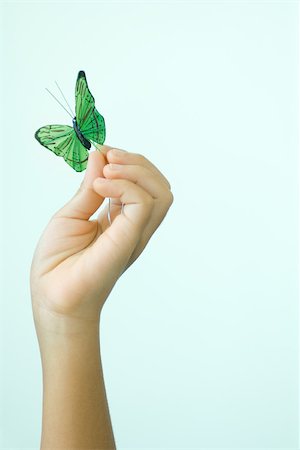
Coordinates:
[169,198]
[148,201]
[168,184]
[140,157]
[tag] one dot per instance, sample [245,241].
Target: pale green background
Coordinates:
[200,337]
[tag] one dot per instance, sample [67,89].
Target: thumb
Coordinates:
[86,201]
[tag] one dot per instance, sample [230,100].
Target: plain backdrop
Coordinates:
[199,338]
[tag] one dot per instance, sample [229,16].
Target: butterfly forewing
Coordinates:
[89,120]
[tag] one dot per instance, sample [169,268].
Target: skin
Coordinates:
[76,263]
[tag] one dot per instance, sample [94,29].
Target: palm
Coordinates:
[68,256]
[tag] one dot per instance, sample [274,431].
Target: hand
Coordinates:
[77,261]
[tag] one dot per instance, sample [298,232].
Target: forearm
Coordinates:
[75,409]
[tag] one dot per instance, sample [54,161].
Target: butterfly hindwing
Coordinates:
[62,140]
[89,120]
[77,155]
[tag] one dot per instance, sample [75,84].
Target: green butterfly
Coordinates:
[72,143]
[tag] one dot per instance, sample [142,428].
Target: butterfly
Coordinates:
[73,143]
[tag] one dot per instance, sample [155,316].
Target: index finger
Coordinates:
[119,156]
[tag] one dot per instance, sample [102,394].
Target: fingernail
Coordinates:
[115,166]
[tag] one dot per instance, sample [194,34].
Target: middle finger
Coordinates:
[142,176]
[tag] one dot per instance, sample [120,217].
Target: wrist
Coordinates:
[53,326]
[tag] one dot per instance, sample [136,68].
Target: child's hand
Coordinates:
[77,261]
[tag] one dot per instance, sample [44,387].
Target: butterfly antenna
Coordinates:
[65,98]
[59,102]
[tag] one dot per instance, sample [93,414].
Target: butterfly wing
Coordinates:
[89,120]
[77,155]
[62,140]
